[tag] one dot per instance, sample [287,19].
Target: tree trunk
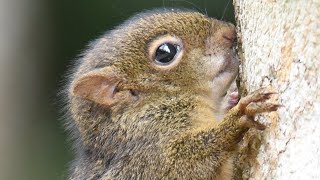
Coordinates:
[280,46]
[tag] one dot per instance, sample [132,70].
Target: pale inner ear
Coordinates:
[98,86]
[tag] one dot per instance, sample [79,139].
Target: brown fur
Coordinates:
[136,121]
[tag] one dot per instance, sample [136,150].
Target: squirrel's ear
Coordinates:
[98,86]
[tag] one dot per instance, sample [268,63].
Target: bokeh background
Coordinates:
[39,39]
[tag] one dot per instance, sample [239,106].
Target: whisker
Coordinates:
[205,6]
[225,10]
[190,3]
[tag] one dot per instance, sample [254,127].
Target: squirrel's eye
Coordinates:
[165,53]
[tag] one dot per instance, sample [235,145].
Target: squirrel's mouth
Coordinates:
[225,89]
[231,97]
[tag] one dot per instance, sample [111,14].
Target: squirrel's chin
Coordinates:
[227,101]
[232,98]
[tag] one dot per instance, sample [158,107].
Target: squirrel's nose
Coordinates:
[228,35]
[223,37]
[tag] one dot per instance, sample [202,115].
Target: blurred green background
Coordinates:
[41,39]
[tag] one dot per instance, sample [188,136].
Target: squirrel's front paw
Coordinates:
[253,104]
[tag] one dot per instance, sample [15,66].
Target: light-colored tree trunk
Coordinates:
[280,46]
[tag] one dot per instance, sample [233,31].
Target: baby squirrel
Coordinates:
[147,100]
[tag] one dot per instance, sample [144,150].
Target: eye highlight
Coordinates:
[166,51]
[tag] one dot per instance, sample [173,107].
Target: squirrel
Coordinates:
[147,100]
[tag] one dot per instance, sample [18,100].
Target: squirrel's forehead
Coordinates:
[170,21]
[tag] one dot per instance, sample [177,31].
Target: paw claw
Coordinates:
[255,108]
[256,103]
[268,95]
[275,107]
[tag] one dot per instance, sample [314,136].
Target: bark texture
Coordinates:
[280,46]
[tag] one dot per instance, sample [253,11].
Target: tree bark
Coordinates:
[280,46]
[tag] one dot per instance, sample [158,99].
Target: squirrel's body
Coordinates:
[146,100]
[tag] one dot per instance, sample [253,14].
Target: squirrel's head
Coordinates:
[157,54]
[161,52]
